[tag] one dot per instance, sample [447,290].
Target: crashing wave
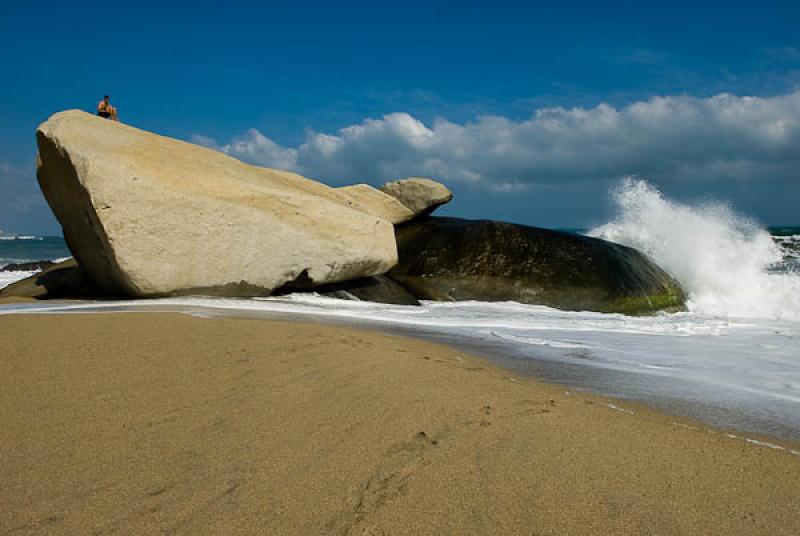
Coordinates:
[725,261]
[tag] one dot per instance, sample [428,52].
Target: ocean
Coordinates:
[732,359]
[16,249]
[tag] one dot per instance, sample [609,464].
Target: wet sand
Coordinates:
[16,299]
[150,423]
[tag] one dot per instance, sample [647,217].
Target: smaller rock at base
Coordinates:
[377,289]
[61,280]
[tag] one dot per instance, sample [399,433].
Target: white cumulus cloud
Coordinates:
[669,138]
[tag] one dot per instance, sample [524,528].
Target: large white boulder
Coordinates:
[147,215]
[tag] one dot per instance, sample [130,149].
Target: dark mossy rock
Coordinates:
[454,259]
[379,289]
[59,281]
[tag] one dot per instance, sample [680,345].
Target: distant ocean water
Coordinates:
[732,359]
[26,248]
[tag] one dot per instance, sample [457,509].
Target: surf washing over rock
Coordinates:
[724,260]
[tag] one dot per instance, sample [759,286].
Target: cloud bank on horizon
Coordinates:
[672,138]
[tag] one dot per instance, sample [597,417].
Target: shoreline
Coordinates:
[196,425]
[772,419]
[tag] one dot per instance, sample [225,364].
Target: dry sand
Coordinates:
[166,424]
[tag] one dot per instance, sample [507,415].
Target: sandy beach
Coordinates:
[168,424]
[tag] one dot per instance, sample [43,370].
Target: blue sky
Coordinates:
[529,112]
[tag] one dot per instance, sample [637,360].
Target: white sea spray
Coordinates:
[721,258]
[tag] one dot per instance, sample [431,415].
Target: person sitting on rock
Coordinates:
[105,109]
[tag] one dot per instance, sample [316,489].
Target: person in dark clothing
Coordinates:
[105,109]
